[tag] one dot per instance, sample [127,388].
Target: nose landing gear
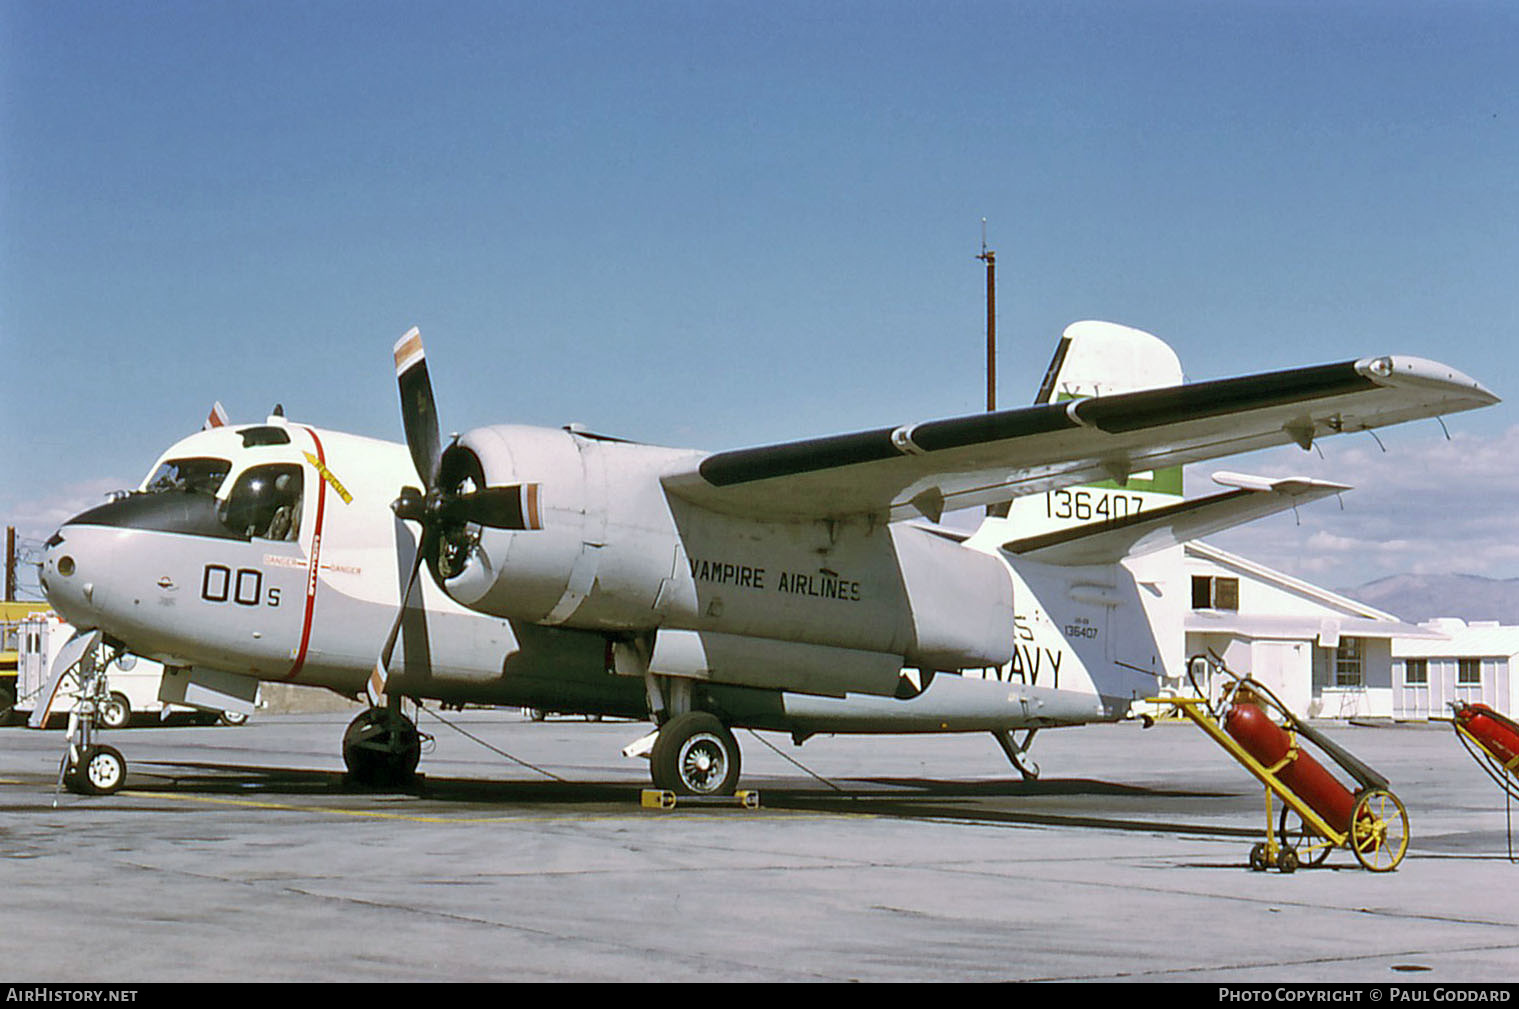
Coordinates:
[88,767]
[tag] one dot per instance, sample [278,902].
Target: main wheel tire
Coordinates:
[695,754]
[232,718]
[380,750]
[116,712]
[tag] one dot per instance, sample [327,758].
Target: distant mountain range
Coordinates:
[1424,597]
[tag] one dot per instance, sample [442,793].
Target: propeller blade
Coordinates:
[419,412]
[514,506]
[378,678]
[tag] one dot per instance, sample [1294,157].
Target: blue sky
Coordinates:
[719,224]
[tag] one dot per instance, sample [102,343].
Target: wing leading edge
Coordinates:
[961,462]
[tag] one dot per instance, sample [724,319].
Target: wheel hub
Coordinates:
[103,770]
[701,764]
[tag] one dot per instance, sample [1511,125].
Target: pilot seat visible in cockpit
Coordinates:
[265,503]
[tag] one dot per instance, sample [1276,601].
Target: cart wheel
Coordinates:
[1288,860]
[1378,830]
[1311,849]
[1258,858]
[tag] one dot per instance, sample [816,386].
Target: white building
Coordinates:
[1469,662]
[1325,655]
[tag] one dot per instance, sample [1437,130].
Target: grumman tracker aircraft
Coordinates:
[802,587]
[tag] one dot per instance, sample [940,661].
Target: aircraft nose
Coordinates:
[71,564]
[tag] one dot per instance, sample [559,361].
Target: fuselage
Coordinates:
[271,551]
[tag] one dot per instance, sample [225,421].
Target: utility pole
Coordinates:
[10,564]
[989,257]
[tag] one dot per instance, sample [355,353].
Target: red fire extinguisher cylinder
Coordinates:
[1498,735]
[1268,743]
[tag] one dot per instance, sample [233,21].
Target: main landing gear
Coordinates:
[382,747]
[695,754]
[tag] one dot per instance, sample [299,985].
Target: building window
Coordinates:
[1209,593]
[1348,662]
[1468,672]
[1416,672]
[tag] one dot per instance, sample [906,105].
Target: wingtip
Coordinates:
[1398,369]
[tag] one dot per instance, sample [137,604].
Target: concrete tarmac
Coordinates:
[239,854]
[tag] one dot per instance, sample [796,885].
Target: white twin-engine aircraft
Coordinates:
[804,587]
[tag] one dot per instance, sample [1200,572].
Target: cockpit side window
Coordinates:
[265,503]
[191,476]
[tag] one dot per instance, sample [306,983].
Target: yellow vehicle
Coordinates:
[11,616]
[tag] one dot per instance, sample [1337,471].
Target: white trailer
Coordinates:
[134,683]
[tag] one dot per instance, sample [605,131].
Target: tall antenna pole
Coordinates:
[999,510]
[990,259]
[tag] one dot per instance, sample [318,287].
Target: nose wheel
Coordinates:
[695,754]
[97,770]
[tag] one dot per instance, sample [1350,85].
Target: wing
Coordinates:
[937,466]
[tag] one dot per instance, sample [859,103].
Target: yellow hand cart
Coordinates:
[1376,831]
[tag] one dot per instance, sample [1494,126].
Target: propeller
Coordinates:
[453,497]
[419,412]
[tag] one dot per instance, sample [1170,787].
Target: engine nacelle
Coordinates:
[472,562]
[572,546]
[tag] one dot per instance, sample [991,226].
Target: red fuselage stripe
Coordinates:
[316,558]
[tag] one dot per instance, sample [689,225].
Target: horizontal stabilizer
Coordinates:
[1148,531]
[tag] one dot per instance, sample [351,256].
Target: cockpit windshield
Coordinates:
[193,476]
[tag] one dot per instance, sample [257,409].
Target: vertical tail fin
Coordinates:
[1100,359]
